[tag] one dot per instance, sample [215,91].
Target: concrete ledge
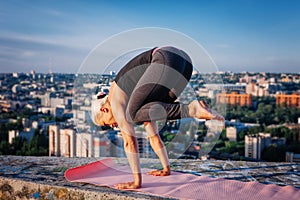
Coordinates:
[43,177]
[14,189]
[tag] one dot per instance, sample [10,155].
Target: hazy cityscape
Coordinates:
[48,115]
[57,56]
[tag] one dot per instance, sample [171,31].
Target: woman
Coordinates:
[144,91]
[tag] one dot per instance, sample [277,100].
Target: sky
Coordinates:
[238,35]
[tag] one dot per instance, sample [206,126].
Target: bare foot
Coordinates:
[200,110]
[129,185]
[159,173]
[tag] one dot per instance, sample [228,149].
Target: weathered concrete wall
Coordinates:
[43,177]
[13,189]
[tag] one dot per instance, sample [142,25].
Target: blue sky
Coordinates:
[239,35]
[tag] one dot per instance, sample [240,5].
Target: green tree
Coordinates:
[294,147]
[3,133]
[223,135]
[17,144]
[4,148]
[274,153]
[230,146]
[241,135]
[253,130]
[38,145]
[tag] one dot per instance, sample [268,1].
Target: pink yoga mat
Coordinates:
[179,185]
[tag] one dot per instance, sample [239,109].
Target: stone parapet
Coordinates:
[14,189]
[43,177]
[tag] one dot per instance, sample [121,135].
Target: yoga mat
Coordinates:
[180,185]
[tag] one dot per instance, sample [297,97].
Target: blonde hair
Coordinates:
[96,105]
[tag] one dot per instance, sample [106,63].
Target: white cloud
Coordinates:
[76,42]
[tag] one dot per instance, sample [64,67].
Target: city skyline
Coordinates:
[239,35]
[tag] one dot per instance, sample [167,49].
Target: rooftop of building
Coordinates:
[43,177]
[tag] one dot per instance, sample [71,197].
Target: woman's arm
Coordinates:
[159,148]
[118,101]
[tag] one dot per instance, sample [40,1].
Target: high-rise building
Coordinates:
[234,98]
[256,89]
[291,100]
[254,144]
[232,133]
[66,142]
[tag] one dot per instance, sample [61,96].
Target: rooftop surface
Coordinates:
[43,177]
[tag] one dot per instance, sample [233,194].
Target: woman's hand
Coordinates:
[129,185]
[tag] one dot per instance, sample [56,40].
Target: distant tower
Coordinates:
[254,145]
[32,73]
[54,140]
[84,145]
[62,142]
[52,78]
[68,142]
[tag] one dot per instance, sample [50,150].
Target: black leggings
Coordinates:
[153,98]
